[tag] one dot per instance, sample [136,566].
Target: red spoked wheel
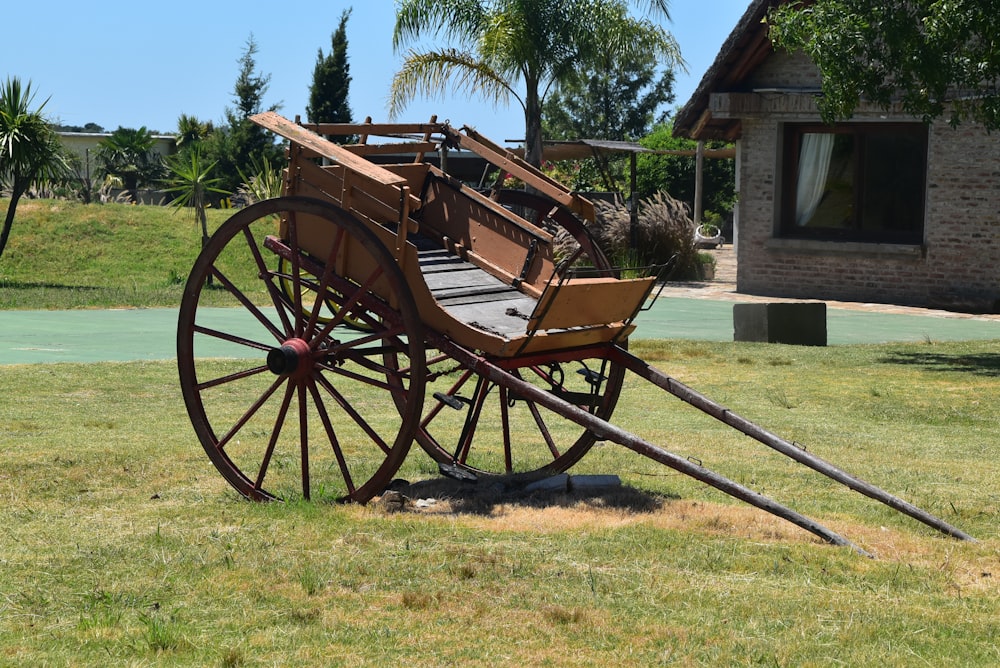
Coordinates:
[475,425]
[472,424]
[286,402]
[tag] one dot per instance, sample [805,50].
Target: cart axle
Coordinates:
[292,358]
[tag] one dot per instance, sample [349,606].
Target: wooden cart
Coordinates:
[381,301]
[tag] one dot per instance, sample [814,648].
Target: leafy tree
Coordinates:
[331,80]
[191,180]
[518,49]
[936,58]
[233,146]
[616,100]
[128,154]
[675,174]
[30,152]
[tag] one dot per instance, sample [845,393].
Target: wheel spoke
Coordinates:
[232,338]
[229,378]
[279,422]
[350,302]
[471,420]
[331,435]
[304,439]
[508,457]
[353,414]
[540,423]
[324,285]
[543,429]
[262,270]
[250,306]
[250,412]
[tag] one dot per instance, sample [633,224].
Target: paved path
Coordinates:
[684,311]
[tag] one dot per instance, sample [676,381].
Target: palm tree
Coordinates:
[128,154]
[30,152]
[190,131]
[519,49]
[190,178]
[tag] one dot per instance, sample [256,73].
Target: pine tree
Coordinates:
[328,94]
[235,146]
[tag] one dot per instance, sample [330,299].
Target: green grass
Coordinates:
[71,255]
[121,545]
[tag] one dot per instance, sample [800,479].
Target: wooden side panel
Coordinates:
[368,200]
[589,301]
[415,174]
[489,235]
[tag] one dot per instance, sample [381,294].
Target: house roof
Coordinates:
[746,47]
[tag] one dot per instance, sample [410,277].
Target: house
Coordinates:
[84,145]
[878,208]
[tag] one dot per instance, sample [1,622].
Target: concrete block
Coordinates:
[797,323]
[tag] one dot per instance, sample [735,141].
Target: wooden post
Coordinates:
[699,181]
[633,209]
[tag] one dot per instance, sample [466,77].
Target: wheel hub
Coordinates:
[292,358]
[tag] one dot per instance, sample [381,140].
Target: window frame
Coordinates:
[791,147]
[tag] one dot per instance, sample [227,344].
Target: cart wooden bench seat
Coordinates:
[381,301]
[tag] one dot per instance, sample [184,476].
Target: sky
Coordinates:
[143,64]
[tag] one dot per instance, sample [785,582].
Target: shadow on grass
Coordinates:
[20,285]
[980,364]
[444,495]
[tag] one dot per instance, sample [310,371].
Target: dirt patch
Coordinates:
[490,495]
[509,504]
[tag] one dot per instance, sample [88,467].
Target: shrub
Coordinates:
[664,230]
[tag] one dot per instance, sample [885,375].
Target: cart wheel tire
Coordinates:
[286,406]
[478,426]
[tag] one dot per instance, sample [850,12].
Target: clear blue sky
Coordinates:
[136,64]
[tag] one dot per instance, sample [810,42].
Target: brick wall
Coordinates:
[957,267]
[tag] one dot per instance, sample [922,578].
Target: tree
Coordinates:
[617,100]
[233,146]
[329,91]
[128,154]
[191,131]
[935,58]
[88,127]
[518,49]
[675,174]
[190,179]
[30,152]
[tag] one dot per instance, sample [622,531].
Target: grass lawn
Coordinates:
[70,255]
[120,544]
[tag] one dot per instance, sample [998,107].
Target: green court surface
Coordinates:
[28,337]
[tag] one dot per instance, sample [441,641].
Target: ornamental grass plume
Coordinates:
[663,230]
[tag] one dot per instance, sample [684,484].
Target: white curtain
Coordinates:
[814,165]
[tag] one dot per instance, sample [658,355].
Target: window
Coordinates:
[855,182]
